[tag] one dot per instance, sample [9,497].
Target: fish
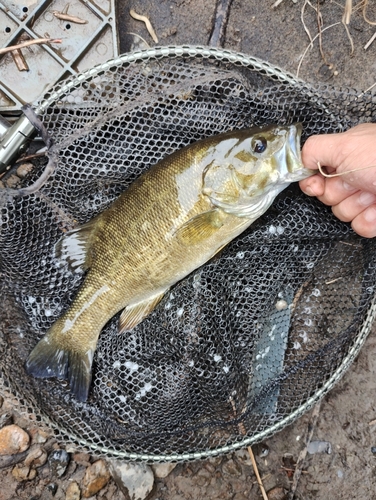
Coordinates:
[167,223]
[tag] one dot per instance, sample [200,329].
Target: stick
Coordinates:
[250,452]
[347,12]
[306,50]
[28,43]
[275,4]
[370,41]
[303,453]
[259,481]
[148,25]
[67,17]
[217,35]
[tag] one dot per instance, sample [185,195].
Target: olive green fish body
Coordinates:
[170,221]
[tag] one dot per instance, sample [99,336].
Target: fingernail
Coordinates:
[366,198]
[308,191]
[370,214]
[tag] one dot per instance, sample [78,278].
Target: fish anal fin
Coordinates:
[201,227]
[48,360]
[74,247]
[133,315]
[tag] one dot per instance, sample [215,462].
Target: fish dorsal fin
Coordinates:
[74,247]
[201,227]
[133,315]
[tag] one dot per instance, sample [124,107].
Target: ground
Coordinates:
[347,418]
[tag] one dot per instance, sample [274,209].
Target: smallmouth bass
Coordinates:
[171,220]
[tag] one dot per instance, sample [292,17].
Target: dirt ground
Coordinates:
[347,419]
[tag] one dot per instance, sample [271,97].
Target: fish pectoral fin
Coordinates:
[201,227]
[74,246]
[48,359]
[133,315]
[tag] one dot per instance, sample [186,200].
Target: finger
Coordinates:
[354,205]
[322,149]
[365,223]
[335,191]
[313,186]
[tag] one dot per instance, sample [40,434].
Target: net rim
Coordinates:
[254,64]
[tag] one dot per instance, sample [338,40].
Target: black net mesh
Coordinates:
[241,346]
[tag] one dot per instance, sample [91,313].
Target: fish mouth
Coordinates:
[295,168]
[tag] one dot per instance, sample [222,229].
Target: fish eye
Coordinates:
[259,144]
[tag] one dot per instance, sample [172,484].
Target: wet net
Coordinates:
[243,345]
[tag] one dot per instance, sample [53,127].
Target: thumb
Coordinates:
[323,149]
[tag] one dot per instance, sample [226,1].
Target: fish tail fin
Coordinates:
[49,359]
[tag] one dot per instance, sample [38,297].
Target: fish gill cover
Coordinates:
[241,346]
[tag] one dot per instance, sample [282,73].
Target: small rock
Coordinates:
[6,419]
[261,450]
[209,467]
[277,493]
[319,447]
[38,436]
[73,492]
[82,459]
[96,477]
[52,488]
[23,473]
[58,461]
[243,456]
[134,480]
[12,181]
[215,461]
[13,440]
[24,169]
[162,470]
[231,468]
[36,457]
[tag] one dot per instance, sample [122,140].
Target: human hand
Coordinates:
[351,196]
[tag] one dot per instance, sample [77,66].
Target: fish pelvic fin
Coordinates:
[201,227]
[48,360]
[133,315]
[74,247]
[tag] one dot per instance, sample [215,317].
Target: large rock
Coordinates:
[163,469]
[134,480]
[96,477]
[13,440]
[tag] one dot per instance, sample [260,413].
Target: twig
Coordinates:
[329,176]
[306,50]
[275,4]
[303,453]
[347,12]
[259,482]
[148,25]
[319,27]
[19,60]
[373,23]
[250,452]
[217,35]
[303,22]
[349,37]
[370,41]
[28,43]
[67,17]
